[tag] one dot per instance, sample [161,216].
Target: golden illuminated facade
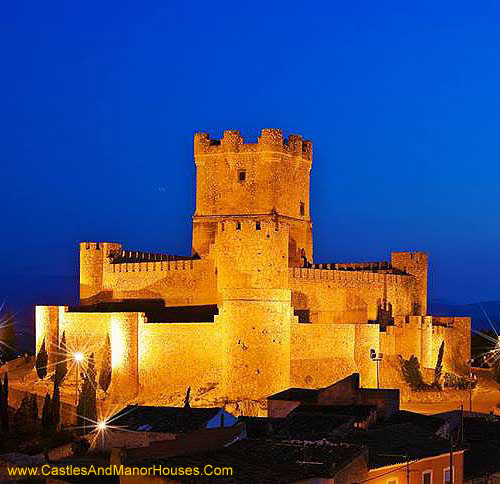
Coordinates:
[255,314]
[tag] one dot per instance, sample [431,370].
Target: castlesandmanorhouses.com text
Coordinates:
[115,470]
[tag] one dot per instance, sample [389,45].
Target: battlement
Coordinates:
[270,140]
[130,256]
[154,266]
[379,266]
[349,276]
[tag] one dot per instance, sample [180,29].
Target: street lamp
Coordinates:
[377,358]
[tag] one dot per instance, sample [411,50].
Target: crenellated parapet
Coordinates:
[270,140]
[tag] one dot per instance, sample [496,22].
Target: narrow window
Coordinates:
[257,225]
[242,175]
[427,477]
[447,476]
[238,225]
[302,209]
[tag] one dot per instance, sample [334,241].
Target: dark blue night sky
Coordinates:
[100,101]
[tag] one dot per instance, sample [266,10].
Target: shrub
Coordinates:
[458,382]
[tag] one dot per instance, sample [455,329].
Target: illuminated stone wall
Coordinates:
[252,231]
[348,297]
[252,268]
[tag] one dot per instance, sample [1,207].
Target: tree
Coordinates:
[56,406]
[41,362]
[26,416]
[61,361]
[47,413]
[106,372]
[411,372]
[4,409]
[7,337]
[87,402]
[439,365]
[91,371]
[187,398]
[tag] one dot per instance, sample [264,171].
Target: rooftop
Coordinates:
[394,444]
[356,411]
[163,419]
[251,461]
[296,395]
[154,309]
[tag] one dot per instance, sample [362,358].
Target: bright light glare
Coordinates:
[78,356]
[101,425]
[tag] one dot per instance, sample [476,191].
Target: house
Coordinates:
[139,426]
[254,461]
[361,416]
[344,392]
[402,450]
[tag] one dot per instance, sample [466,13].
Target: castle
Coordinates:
[249,313]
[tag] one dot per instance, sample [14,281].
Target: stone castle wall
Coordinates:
[252,233]
[348,297]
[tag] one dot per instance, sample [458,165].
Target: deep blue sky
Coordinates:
[100,101]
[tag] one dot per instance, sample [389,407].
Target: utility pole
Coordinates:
[407,468]
[451,458]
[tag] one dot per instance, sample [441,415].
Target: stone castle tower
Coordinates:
[251,181]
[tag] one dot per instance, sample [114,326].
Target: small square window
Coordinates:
[242,175]
[302,208]
[257,225]
[238,225]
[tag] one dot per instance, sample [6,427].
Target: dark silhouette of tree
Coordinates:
[7,338]
[41,362]
[187,398]
[91,371]
[61,361]
[47,414]
[411,372]
[56,406]
[4,409]
[106,371]
[438,371]
[26,416]
[87,402]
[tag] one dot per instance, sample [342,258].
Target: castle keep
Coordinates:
[249,312]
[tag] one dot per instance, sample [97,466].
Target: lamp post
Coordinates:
[470,384]
[377,358]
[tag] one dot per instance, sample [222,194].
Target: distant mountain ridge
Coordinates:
[479,312]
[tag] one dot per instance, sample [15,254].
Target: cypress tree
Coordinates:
[62,361]
[187,398]
[47,413]
[91,372]
[439,365]
[87,402]
[106,371]
[41,362]
[33,404]
[4,412]
[56,406]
